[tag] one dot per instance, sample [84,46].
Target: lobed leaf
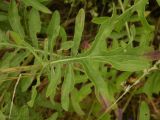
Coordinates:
[131,59]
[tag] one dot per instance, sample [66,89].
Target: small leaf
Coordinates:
[67,45]
[97,80]
[75,102]
[79,26]
[54,78]
[144,111]
[63,34]
[23,113]
[140,8]
[53,30]
[34,92]
[14,19]
[99,20]
[26,82]
[84,91]
[34,26]
[37,5]
[54,116]
[99,42]
[67,87]
[16,38]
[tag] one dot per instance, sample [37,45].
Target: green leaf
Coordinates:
[67,87]
[53,30]
[2,116]
[75,102]
[34,26]
[153,80]
[3,17]
[18,40]
[26,82]
[54,116]
[97,80]
[129,59]
[79,26]
[14,19]
[99,42]
[144,111]
[23,113]
[120,20]
[99,20]
[54,78]
[67,45]
[140,8]
[34,93]
[84,91]
[63,34]
[158,1]
[3,5]
[37,5]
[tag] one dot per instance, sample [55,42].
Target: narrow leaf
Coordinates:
[144,111]
[79,26]
[34,26]
[75,102]
[53,30]
[97,80]
[34,93]
[54,77]
[54,116]
[104,31]
[37,5]
[14,19]
[67,87]
[67,45]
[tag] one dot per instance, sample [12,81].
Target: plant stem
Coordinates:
[126,24]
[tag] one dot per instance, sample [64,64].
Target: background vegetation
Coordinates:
[79,60]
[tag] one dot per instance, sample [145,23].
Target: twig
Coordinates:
[14,91]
